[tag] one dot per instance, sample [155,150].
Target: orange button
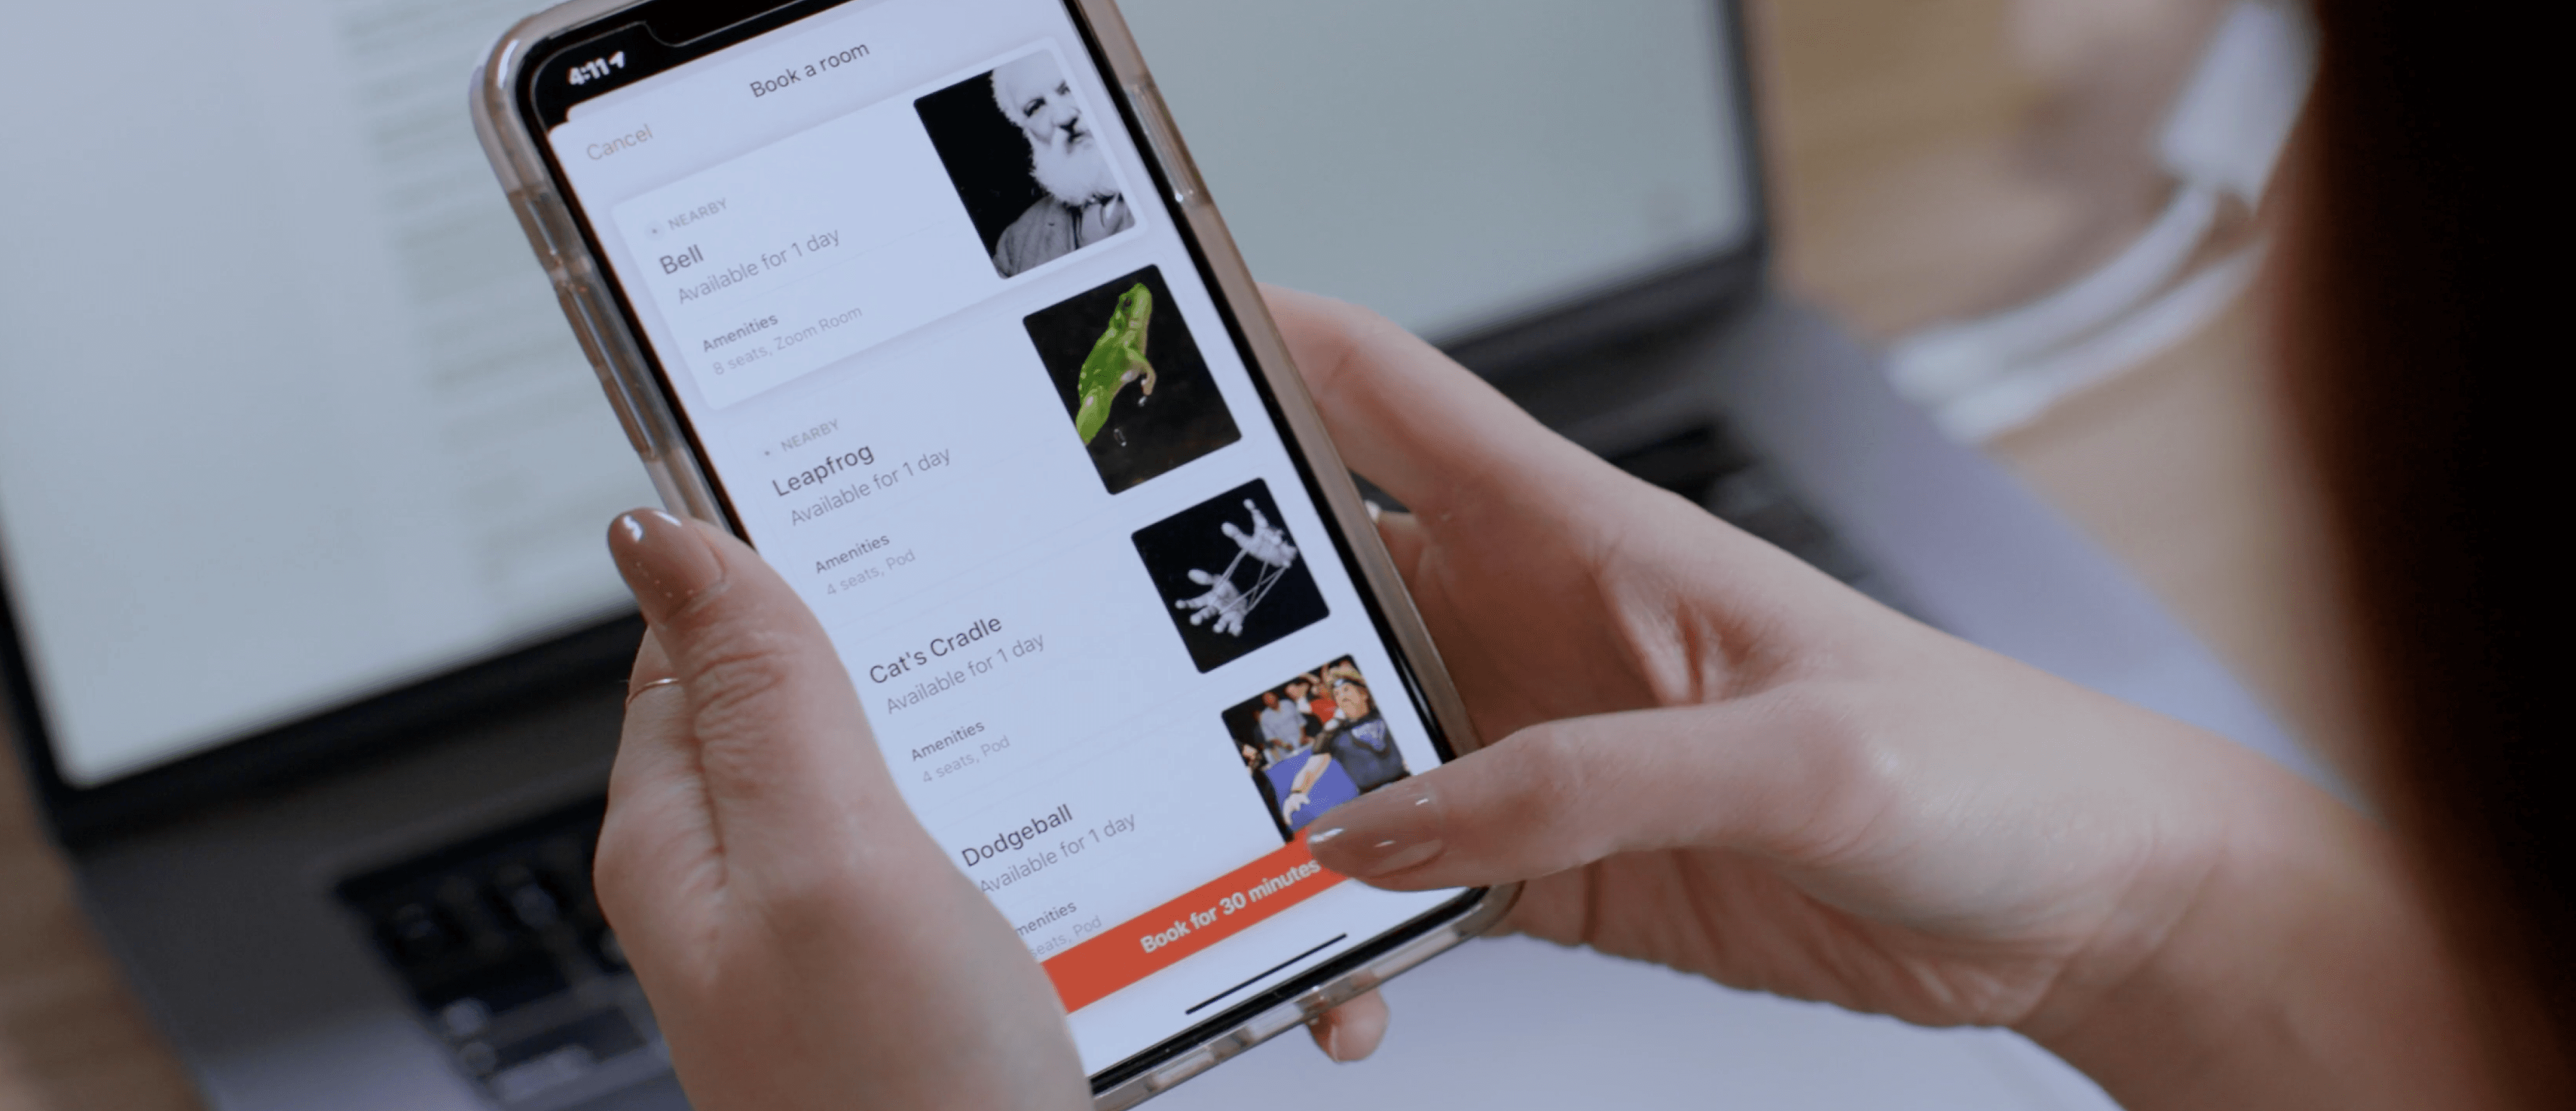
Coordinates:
[1159,938]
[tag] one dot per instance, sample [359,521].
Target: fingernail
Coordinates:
[1381,834]
[665,562]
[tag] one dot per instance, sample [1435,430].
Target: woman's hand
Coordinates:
[1708,755]
[803,941]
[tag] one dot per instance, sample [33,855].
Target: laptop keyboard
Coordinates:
[504,950]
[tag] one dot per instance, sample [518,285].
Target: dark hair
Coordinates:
[2426,321]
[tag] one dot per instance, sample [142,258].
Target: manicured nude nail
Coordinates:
[1391,831]
[665,562]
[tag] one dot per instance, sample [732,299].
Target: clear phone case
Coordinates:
[616,354]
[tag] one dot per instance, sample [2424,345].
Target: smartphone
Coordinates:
[925,300]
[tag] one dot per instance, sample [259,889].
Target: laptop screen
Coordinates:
[288,417]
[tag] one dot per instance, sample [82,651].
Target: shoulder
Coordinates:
[1024,243]
[1033,223]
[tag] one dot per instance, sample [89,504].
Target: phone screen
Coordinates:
[958,371]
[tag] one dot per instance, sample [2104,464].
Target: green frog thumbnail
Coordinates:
[1119,358]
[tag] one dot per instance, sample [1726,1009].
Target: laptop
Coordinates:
[314,659]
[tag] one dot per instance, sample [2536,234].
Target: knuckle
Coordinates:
[734,674]
[1366,324]
[1347,334]
[618,870]
[842,886]
[1844,771]
[810,904]
[742,702]
[1554,783]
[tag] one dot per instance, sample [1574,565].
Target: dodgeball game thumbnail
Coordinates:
[1315,742]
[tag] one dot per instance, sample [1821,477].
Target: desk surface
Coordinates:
[1932,158]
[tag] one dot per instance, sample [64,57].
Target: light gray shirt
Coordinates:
[1052,229]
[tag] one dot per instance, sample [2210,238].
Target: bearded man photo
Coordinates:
[1030,162]
[1083,203]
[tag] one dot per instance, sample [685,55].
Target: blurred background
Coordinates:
[1929,161]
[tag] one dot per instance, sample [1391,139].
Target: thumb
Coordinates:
[1755,776]
[761,710]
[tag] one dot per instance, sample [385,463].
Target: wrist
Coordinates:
[2290,964]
